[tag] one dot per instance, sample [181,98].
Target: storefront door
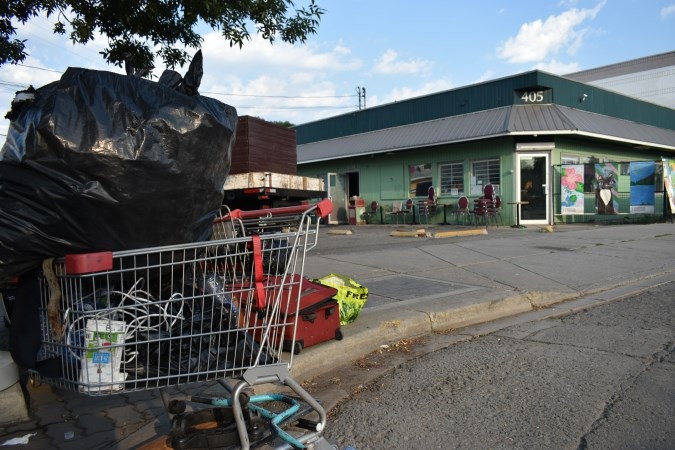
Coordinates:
[533,182]
[336,191]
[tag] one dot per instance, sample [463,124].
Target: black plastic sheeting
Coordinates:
[106,162]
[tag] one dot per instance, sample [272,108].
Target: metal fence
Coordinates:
[609,192]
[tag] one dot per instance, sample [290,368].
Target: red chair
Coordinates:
[494,210]
[427,207]
[407,210]
[373,212]
[489,192]
[480,210]
[484,206]
[462,209]
[431,195]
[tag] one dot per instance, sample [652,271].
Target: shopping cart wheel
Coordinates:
[297,348]
[338,334]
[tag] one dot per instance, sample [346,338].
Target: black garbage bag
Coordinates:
[207,340]
[100,161]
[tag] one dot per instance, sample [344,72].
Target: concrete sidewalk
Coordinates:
[418,285]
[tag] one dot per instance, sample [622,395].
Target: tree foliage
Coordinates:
[284,123]
[139,30]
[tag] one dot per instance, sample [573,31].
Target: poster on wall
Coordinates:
[572,189]
[669,181]
[642,187]
[606,196]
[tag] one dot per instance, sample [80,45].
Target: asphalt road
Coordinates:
[600,378]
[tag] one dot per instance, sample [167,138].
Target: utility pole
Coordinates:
[362,95]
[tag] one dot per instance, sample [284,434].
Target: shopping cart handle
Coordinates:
[324,207]
[235,214]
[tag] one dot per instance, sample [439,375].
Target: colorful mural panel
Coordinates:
[642,187]
[606,196]
[572,189]
[669,181]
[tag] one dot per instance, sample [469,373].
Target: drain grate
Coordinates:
[406,287]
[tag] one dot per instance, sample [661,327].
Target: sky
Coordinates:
[390,49]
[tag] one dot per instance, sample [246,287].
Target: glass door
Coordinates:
[336,191]
[533,188]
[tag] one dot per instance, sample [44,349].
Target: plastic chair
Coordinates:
[432,200]
[489,192]
[374,207]
[407,210]
[462,209]
[395,212]
[431,194]
[494,210]
[484,205]
[480,210]
[427,207]
[423,208]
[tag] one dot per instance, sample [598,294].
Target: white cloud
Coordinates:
[280,81]
[388,64]
[557,67]
[261,55]
[539,39]
[487,75]
[408,92]
[19,78]
[668,11]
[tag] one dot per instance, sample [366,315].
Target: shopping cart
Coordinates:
[117,322]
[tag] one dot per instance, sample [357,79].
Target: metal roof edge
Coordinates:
[399,149]
[624,140]
[572,122]
[606,137]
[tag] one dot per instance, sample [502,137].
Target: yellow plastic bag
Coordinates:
[351,296]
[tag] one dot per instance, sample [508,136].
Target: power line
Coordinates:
[230,95]
[37,23]
[272,108]
[12,84]
[361,95]
[40,68]
[279,96]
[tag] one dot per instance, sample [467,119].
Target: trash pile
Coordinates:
[103,161]
[99,161]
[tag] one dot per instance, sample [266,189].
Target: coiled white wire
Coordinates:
[136,305]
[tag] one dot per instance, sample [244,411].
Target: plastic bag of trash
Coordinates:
[351,296]
[102,161]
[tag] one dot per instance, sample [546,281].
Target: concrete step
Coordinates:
[12,402]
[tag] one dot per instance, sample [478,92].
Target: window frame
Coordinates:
[447,191]
[491,175]
[568,158]
[425,178]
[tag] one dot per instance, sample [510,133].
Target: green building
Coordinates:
[546,141]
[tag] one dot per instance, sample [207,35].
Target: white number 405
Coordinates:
[533,96]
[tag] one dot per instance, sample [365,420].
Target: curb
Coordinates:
[474,232]
[421,232]
[375,328]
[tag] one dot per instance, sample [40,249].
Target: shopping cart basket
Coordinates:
[158,317]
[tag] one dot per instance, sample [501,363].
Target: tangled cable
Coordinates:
[137,308]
